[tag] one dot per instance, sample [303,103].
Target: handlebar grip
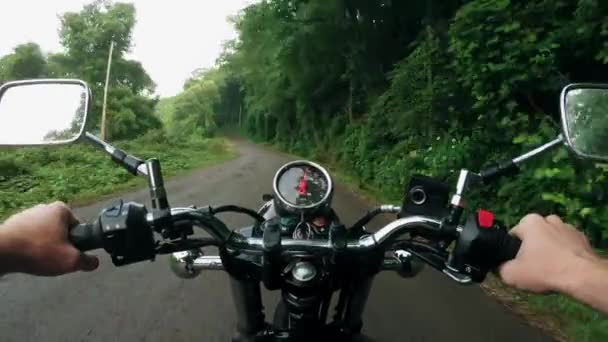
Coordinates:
[507,247]
[86,236]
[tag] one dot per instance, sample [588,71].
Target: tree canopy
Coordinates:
[391,88]
[86,37]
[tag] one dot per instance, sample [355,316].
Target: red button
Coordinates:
[485,218]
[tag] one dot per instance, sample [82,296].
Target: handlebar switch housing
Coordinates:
[475,252]
[127,236]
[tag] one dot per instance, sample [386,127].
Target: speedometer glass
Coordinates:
[303,186]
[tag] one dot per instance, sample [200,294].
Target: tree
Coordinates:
[193,111]
[86,37]
[26,61]
[391,88]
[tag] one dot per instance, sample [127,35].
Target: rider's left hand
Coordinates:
[35,241]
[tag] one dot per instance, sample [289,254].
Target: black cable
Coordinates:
[215,227]
[182,245]
[237,209]
[420,245]
[366,219]
[428,261]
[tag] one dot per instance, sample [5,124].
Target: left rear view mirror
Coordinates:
[43,112]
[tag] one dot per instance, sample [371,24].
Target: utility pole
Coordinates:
[240,116]
[105,93]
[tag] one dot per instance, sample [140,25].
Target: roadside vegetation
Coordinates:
[80,172]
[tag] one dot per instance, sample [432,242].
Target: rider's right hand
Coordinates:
[551,250]
[555,257]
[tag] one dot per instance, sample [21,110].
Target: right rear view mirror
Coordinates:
[584,110]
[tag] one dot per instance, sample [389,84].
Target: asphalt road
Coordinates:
[145,302]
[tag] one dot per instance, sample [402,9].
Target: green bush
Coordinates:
[82,172]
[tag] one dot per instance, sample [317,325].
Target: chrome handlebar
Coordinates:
[192,263]
[195,262]
[381,238]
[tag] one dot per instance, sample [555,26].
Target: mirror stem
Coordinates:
[511,167]
[132,164]
[157,186]
[539,150]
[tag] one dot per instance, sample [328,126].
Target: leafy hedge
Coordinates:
[404,89]
[82,172]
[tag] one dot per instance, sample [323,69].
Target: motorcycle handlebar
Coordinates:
[214,263]
[90,236]
[507,247]
[381,238]
[496,247]
[86,236]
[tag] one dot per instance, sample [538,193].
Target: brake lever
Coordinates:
[443,268]
[434,264]
[458,277]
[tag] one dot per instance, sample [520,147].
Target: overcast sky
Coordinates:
[171,38]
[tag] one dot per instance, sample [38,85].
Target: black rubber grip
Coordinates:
[505,169]
[507,247]
[86,236]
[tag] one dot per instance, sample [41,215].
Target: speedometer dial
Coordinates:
[303,185]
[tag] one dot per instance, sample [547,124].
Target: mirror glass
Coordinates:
[585,116]
[42,113]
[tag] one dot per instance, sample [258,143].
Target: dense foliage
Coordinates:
[86,37]
[31,176]
[81,172]
[192,112]
[392,88]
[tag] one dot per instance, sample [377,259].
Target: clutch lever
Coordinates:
[168,247]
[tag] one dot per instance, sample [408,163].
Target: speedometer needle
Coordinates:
[302,187]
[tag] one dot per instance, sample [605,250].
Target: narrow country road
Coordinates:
[145,302]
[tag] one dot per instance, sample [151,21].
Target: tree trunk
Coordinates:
[241,116]
[350,101]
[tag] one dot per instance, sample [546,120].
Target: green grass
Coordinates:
[563,317]
[579,322]
[81,173]
[559,315]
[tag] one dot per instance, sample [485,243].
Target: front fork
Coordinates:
[247,299]
[250,311]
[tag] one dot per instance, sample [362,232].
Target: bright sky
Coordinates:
[23,121]
[171,38]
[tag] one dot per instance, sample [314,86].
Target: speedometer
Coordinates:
[302,185]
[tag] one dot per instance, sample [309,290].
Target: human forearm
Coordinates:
[12,252]
[587,282]
[35,241]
